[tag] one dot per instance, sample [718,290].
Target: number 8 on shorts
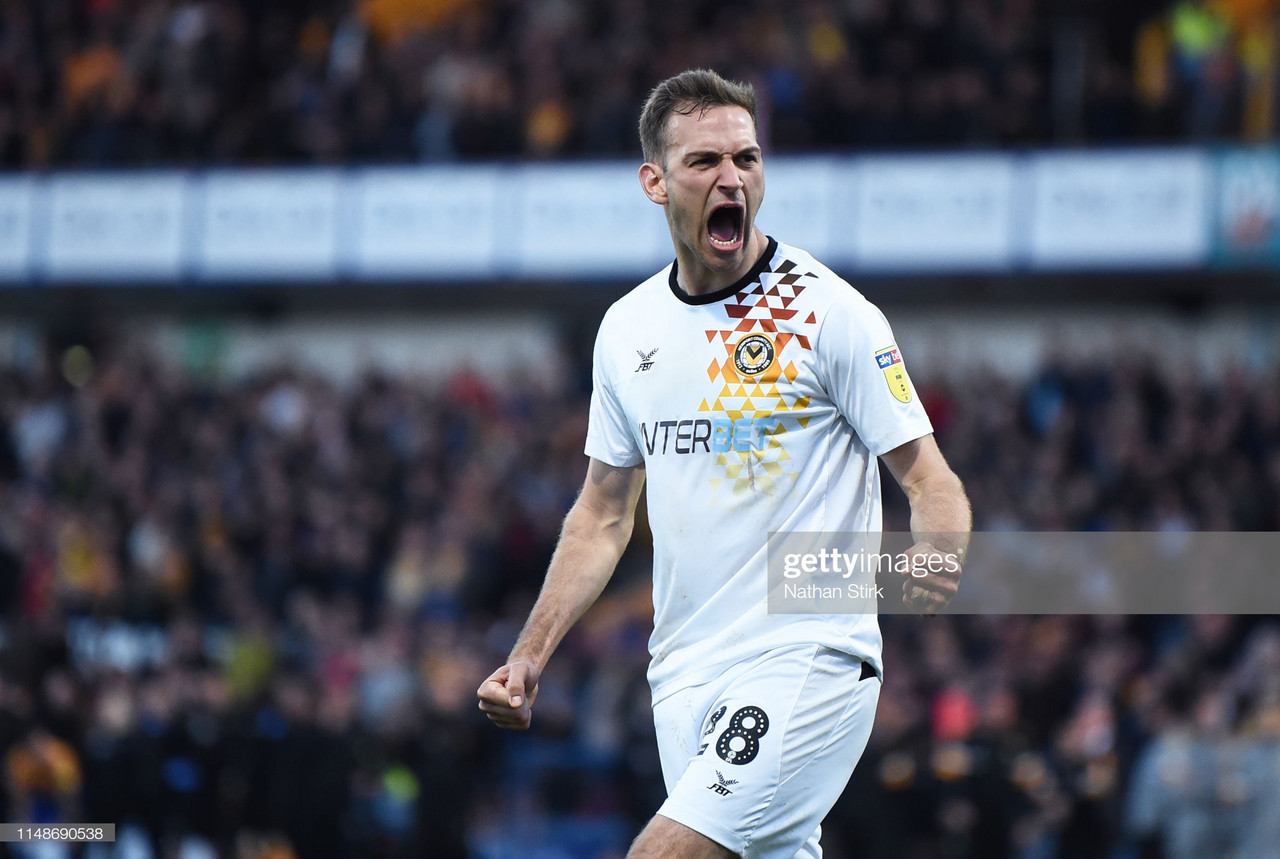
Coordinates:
[740,742]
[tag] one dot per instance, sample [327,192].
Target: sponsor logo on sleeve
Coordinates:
[895,373]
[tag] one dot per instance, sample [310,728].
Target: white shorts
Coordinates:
[755,759]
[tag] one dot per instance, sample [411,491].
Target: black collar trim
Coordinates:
[761,266]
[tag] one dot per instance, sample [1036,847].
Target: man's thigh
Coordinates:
[755,760]
[665,839]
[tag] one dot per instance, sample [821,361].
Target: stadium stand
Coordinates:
[159,82]
[253,609]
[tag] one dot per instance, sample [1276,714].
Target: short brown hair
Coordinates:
[695,90]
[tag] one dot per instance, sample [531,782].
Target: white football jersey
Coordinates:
[756,409]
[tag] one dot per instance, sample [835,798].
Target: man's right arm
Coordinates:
[594,535]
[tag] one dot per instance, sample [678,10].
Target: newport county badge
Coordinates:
[895,373]
[753,355]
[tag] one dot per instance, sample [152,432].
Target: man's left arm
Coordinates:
[940,523]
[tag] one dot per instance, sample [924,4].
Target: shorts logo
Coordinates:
[895,373]
[722,784]
[740,742]
[753,355]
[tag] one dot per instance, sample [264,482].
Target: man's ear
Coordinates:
[654,182]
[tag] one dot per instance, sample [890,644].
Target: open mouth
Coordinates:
[724,227]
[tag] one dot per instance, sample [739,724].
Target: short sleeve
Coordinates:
[866,375]
[609,435]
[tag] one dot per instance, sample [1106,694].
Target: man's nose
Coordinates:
[729,177]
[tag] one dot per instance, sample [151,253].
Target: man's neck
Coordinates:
[697,279]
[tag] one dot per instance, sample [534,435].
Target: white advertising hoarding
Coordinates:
[270,224]
[800,203]
[931,213]
[429,222]
[116,226]
[17,205]
[1148,207]
[588,220]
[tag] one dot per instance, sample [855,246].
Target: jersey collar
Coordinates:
[753,275]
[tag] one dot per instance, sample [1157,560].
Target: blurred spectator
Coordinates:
[43,778]
[1200,37]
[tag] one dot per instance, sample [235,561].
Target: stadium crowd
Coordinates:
[179,82]
[247,618]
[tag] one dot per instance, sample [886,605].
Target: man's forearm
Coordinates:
[584,560]
[940,513]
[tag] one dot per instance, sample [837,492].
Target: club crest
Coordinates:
[754,354]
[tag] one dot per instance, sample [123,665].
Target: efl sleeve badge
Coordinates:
[895,373]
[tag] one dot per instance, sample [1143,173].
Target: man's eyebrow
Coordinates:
[715,153]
